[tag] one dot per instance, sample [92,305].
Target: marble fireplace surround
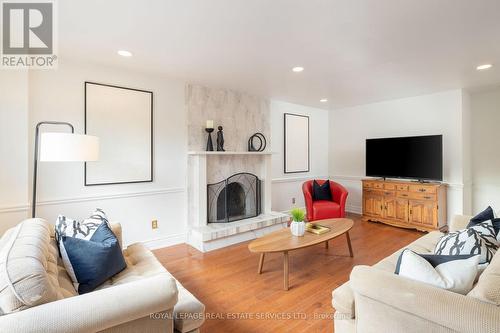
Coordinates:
[241,115]
[211,167]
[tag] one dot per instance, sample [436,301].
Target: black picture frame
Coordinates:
[285,115]
[151,177]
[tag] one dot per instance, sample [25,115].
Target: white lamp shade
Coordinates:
[68,147]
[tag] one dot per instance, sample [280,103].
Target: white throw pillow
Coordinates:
[453,273]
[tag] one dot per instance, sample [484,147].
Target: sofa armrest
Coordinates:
[447,309]
[459,222]
[117,230]
[97,310]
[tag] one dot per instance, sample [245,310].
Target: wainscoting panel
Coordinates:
[134,211]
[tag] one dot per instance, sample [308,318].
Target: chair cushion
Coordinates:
[141,263]
[29,270]
[324,209]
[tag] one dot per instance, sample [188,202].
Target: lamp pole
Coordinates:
[35,160]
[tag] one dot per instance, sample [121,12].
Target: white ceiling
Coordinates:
[353,51]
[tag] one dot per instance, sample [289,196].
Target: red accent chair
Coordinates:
[325,209]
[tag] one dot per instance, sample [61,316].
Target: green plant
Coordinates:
[298,214]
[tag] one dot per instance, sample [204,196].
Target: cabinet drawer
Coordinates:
[389,193]
[367,184]
[378,185]
[372,191]
[422,196]
[403,195]
[422,189]
[401,187]
[389,186]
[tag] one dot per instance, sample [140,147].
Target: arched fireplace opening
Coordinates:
[236,198]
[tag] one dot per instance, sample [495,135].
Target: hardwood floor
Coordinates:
[237,299]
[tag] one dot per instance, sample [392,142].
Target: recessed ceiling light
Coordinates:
[124,53]
[323,100]
[298,69]
[483,67]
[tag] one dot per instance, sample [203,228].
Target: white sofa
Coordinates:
[376,300]
[144,297]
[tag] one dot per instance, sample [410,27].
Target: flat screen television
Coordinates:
[416,157]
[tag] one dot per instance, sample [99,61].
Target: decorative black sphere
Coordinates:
[219,128]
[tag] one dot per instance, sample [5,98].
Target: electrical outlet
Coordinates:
[293,201]
[154,224]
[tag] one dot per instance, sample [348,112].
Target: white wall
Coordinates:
[59,95]
[439,113]
[26,99]
[485,110]
[13,146]
[289,186]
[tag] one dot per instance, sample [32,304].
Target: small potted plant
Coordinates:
[297,227]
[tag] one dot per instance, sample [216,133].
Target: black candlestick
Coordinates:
[210,145]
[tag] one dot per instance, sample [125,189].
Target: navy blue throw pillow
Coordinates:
[486,215]
[322,192]
[93,261]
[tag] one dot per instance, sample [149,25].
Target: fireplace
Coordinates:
[235,198]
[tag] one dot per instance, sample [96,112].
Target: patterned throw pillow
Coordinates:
[479,239]
[79,229]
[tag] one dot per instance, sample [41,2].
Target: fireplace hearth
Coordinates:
[235,198]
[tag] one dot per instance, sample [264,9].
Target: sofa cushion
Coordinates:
[29,271]
[343,297]
[343,301]
[487,288]
[189,313]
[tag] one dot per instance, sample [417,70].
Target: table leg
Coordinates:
[326,245]
[285,270]
[349,244]
[261,263]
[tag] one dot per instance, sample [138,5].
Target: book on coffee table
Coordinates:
[317,229]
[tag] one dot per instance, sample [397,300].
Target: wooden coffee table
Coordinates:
[284,241]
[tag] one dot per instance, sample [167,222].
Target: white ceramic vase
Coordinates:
[298,228]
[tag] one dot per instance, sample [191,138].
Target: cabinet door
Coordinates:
[402,209]
[373,205]
[423,212]
[390,208]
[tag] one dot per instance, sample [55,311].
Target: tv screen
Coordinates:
[417,157]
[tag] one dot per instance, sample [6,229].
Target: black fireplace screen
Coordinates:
[233,199]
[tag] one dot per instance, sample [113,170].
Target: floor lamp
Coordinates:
[61,147]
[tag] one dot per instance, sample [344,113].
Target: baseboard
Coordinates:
[354,209]
[165,241]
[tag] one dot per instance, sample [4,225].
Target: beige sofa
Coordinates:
[376,300]
[144,297]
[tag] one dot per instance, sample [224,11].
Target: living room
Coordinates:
[203,136]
